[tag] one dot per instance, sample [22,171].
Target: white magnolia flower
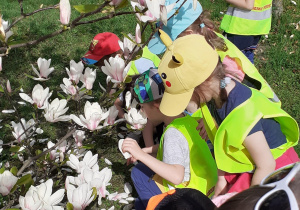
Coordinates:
[7,181]
[1,149]
[138,35]
[65,11]
[159,10]
[79,136]
[41,197]
[8,87]
[54,111]
[19,133]
[5,25]
[136,118]
[127,45]
[93,116]
[115,69]
[53,153]
[127,188]
[137,5]
[8,111]
[107,161]
[68,87]
[75,71]
[80,197]
[40,96]
[43,65]
[89,161]
[128,97]
[112,114]
[88,78]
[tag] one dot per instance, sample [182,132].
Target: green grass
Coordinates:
[277,60]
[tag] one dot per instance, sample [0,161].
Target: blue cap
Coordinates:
[177,24]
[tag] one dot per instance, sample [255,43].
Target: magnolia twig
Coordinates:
[31,159]
[24,15]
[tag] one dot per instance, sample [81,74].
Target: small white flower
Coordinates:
[107,161]
[136,118]
[40,96]
[55,110]
[43,65]
[75,70]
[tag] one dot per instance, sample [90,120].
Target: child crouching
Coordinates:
[183,157]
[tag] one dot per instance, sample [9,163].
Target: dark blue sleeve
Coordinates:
[258,127]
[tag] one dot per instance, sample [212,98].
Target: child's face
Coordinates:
[152,112]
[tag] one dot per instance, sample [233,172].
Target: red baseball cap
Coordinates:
[103,44]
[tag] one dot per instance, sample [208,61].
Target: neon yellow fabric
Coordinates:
[148,55]
[243,22]
[203,169]
[231,156]
[248,69]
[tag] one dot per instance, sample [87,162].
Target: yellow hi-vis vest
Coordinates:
[243,22]
[230,154]
[248,68]
[148,55]
[203,169]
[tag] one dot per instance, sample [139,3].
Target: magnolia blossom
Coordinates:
[139,6]
[0,63]
[80,197]
[88,78]
[7,181]
[115,69]
[19,133]
[40,96]
[43,65]
[68,87]
[8,87]
[65,11]
[54,111]
[128,97]
[93,116]
[3,26]
[136,118]
[159,10]
[127,45]
[89,161]
[40,197]
[112,114]
[138,35]
[99,180]
[53,153]
[78,135]
[75,71]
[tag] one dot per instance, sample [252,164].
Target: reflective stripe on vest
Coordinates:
[231,156]
[203,169]
[244,22]
[250,15]
[248,68]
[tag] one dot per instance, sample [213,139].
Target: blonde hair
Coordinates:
[208,31]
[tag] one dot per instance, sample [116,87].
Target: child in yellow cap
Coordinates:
[183,158]
[255,135]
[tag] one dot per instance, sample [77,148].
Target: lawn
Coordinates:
[277,59]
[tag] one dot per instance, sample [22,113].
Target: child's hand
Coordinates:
[131,146]
[201,129]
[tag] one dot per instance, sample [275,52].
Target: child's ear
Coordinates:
[189,31]
[156,105]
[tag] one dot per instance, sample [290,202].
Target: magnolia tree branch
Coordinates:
[24,15]
[31,159]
